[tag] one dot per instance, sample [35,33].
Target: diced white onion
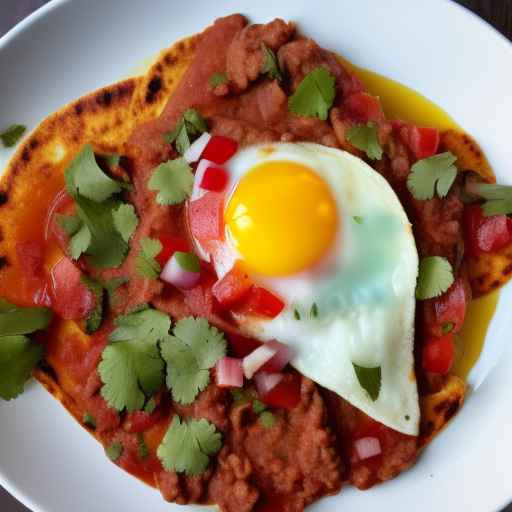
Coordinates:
[229,372]
[367,447]
[197,191]
[266,382]
[174,274]
[255,360]
[194,152]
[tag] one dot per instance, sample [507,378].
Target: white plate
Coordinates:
[69,48]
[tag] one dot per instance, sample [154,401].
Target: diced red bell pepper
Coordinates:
[439,354]
[71,299]
[451,307]
[170,245]
[362,107]
[140,421]
[232,287]
[242,346]
[220,149]
[261,302]
[486,234]
[286,394]
[214,179]
[206,217]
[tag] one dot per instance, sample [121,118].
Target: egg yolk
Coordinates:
[282,218]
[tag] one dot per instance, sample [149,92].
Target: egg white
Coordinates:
[363,290]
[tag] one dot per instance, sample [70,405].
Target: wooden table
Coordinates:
[496,12]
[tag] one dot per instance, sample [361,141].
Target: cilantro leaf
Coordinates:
[125,220]
[89,420]
[84,177]
[258,406]
[434,278]
[365,137]
[95,317]
[106,248]
[130,371]
[218,79]
[142,447]
[148,324]
[240,396]
[435,173]
[188,261]
[173,180]
[150,406]
[79,242]
[447,327]
[145,263]
[189,126]
[314,95]
[11,136]
[15,320]
[70,224]
[18,357]
[131,368]
[357,219]
[314,310]
[113,160]
[192,350]
[114,451]
[188,446]
[267,419]
[370,379]
[498,198]
[270,64]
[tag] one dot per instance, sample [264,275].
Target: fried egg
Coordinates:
[326,233]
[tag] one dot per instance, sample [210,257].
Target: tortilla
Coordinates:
[106,118]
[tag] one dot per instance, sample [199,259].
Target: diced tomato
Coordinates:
[232,287]
[220,149]
[352,85]
[261,302]
[422,141]
[486,234]
[170,245]
[33,284]
[439,354]
[62,204]
[105,417]
[215,179]
[200,299]
[451,307]
[140,421]
[206,217]
[362,107]
[242,346]
[286,394]
[71,299]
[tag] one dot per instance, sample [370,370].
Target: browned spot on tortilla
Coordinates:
[153,87]
[3,262]
[469,154]
[3,198]
[438,408]
[489,271]
[157,85]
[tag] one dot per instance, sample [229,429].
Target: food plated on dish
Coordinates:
[234,247]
